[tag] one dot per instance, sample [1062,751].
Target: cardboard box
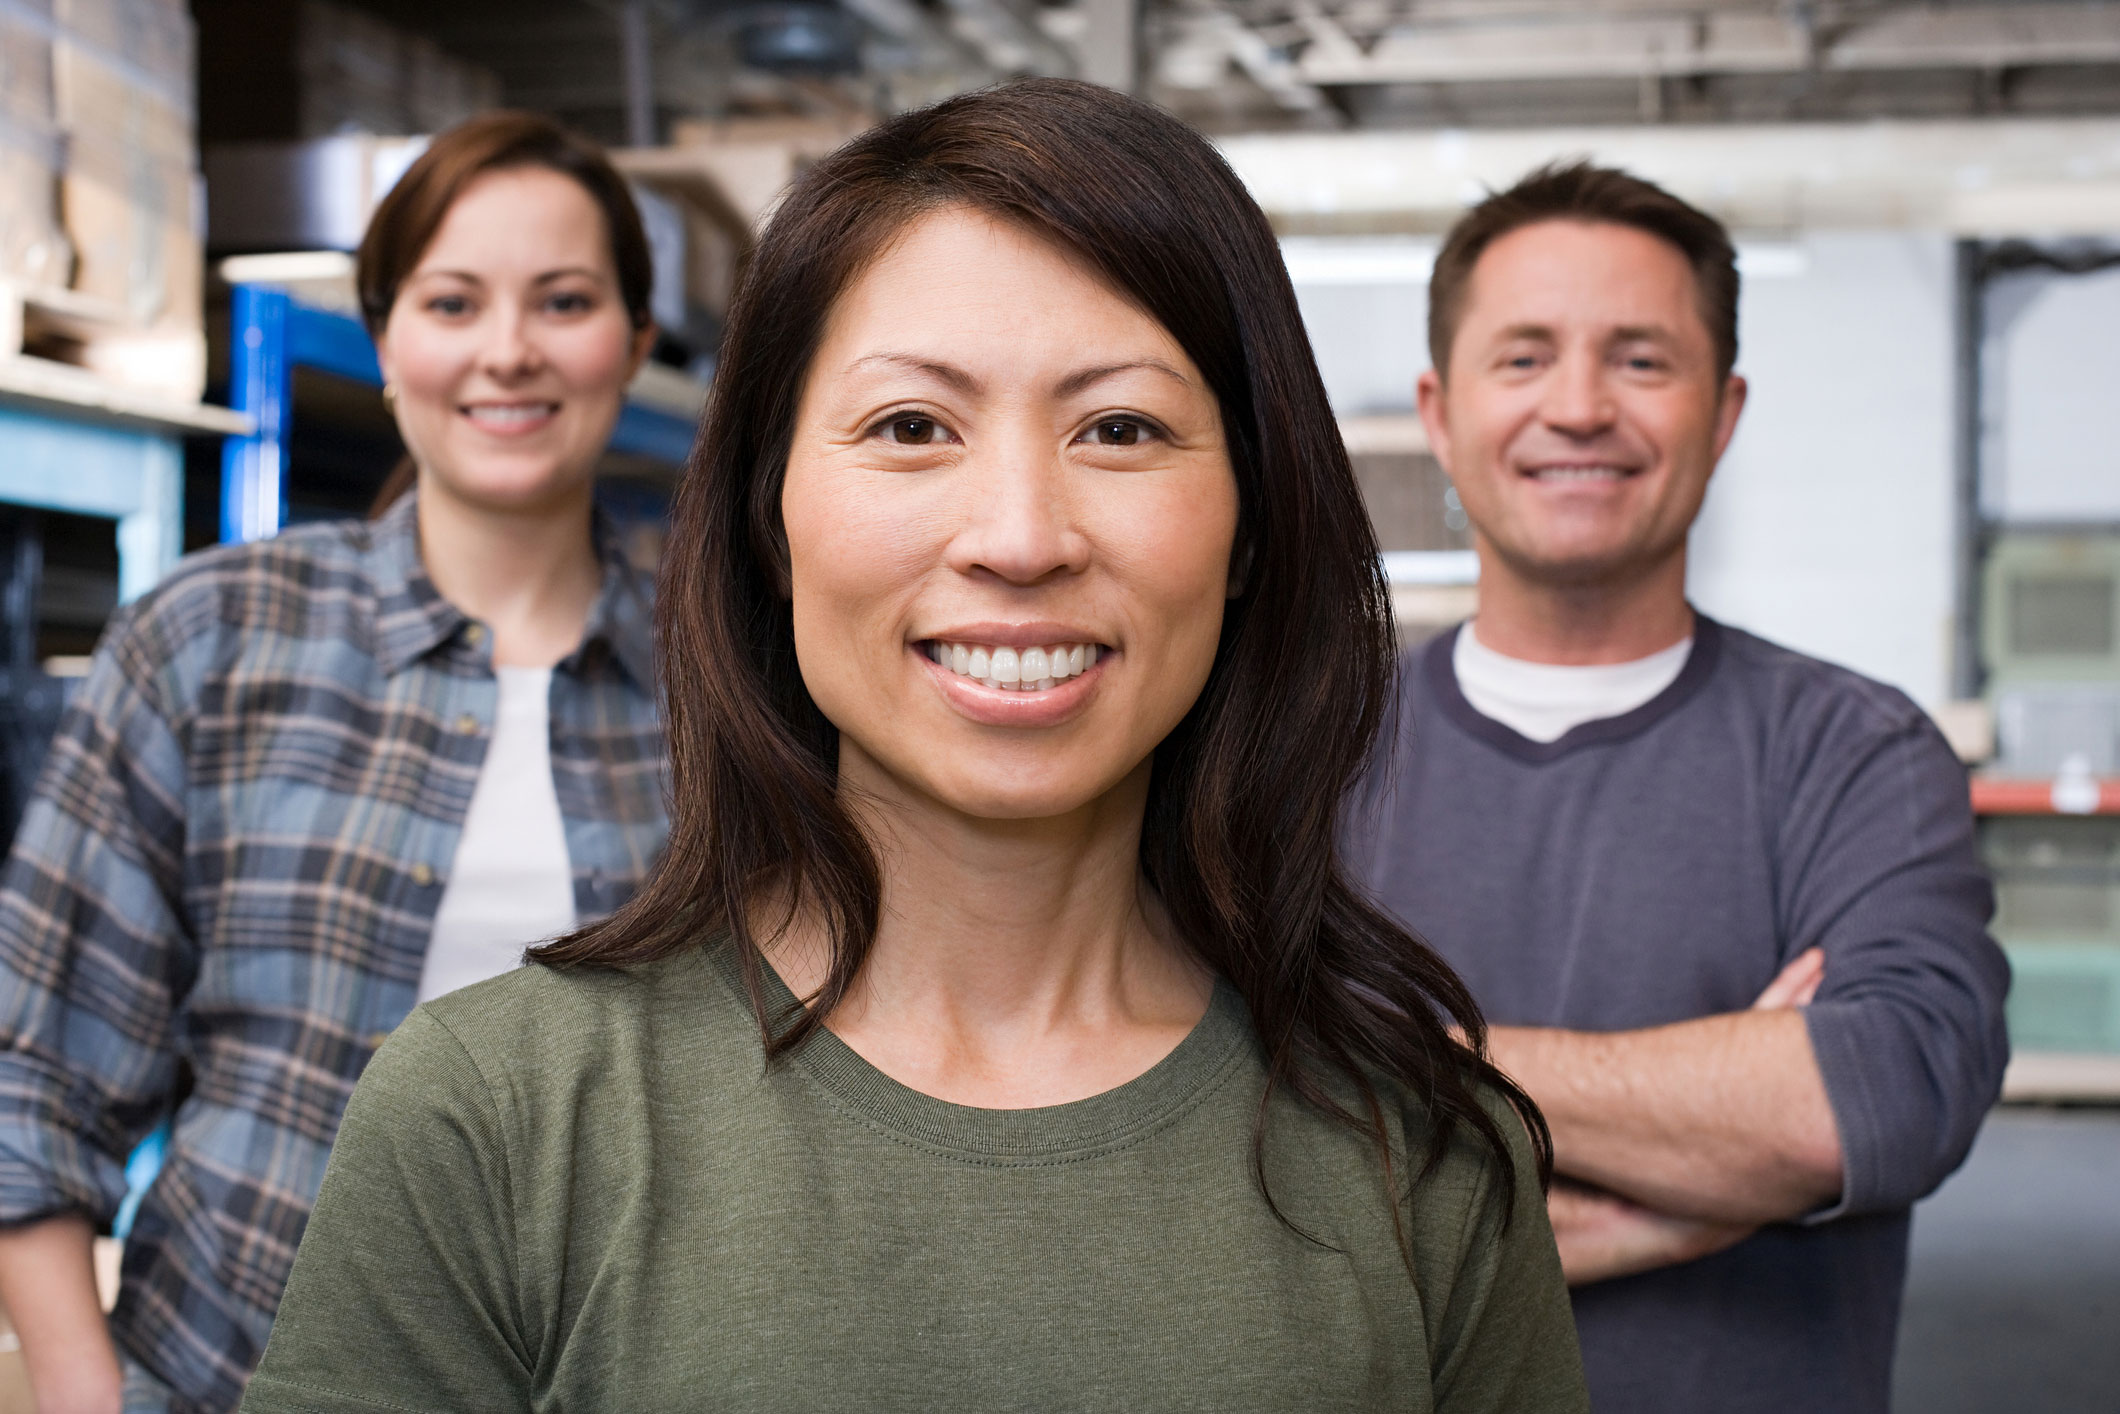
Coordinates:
[363,75]
[133,221]
[33,245]
[101,102]
[153,38]
[25,69]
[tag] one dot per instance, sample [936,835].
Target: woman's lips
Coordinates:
[1045,702]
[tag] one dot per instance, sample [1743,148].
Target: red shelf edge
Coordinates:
[1993,796]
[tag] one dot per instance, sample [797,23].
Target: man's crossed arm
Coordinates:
[1677,1141]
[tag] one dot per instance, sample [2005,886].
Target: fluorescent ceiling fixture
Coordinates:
[1431,566]
[287,267]
[1364,260]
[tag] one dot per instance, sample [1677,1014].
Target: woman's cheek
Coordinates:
[597,359]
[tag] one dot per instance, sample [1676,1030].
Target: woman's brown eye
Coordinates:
[915,430]
[1119,432]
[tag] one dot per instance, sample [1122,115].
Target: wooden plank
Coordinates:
[72,329]
[43,385]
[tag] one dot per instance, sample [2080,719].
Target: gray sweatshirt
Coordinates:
[1665,864]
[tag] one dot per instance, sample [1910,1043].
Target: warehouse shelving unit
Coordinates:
[82,444]
[274,330]
[2038,636]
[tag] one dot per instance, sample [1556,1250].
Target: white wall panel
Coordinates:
[1829,525]
[2051,404]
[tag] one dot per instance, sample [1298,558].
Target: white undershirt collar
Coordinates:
[1545,701]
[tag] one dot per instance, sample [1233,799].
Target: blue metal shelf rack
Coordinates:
[272,334]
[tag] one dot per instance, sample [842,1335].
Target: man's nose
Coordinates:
[1578,397]
[1021,525]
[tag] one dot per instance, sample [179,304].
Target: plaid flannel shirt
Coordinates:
[220,897]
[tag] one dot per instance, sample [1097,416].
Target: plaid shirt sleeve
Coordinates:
[93,946]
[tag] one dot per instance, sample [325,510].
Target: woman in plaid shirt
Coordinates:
[272,794]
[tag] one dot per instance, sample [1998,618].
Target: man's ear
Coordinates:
[1435,416]
[1727,410]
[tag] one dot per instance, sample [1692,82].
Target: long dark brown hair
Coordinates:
[409,215]
[1239,836]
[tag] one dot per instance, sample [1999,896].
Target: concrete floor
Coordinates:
[2013,1285]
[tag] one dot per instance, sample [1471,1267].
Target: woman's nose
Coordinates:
[510,348]
[1022,522]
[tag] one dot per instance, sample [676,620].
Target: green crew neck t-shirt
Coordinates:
[589,1191]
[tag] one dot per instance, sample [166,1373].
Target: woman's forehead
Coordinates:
[520,216]
[968,292]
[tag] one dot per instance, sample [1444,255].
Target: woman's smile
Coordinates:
[997,684]
[512,418]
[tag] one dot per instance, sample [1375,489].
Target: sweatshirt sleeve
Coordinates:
[403,1294]
[1881,870]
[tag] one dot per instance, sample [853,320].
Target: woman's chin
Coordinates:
[513,487]
[977,797]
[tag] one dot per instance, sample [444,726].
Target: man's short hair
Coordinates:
[1580,191]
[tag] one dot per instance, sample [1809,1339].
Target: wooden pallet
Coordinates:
[42,324]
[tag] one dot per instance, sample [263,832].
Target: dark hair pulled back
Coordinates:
[1239,839]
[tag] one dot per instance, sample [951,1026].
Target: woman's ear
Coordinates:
[643,345]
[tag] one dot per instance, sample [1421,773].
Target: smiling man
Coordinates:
[1721,901]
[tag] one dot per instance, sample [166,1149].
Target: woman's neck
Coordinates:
[1017,963]
[531,576]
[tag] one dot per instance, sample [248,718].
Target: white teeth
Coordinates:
[511,414]
[1579,473]
[1035,669]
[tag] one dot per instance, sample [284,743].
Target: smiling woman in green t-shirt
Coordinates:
[999,1032]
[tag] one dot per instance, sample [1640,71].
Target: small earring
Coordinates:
[390,396]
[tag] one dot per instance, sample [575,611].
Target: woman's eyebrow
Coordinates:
[948,373]
[1088,377]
